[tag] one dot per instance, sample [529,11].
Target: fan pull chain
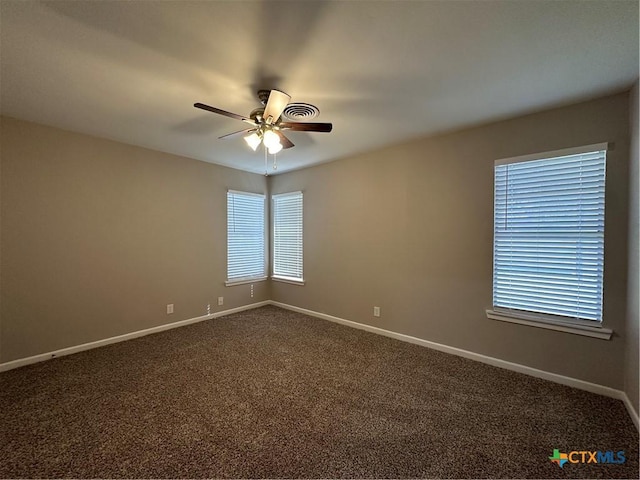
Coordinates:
[275,161]
[266,163]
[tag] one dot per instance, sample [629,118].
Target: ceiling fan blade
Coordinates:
[275,105]
[237,134]
[307,126]
[223,112]
[284,141]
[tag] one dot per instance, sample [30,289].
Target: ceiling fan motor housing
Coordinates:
[257,114]
[263,96]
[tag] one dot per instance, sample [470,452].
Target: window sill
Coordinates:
[291,280]
[231,283]
[533,320]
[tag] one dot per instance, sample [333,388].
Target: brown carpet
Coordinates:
[272,393]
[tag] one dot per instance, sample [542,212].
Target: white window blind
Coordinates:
[245,236]
[549,235]
[287,235]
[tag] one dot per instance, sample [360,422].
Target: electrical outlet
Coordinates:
[376,311]
[220,301]
[169,308]
[252,290]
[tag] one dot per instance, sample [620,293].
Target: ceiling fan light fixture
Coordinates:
[253,141]
[275,148]
[271,140]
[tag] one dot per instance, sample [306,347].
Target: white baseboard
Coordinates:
[242,308]
[496,362]
[21,362]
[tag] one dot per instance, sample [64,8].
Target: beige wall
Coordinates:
[1,357]
[633,312]
[98,236]
[409,228]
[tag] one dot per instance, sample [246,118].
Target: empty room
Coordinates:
[319,239]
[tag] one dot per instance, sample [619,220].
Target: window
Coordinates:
[548,255]
[287,237]
[245,237]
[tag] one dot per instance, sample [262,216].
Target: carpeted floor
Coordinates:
[272,393]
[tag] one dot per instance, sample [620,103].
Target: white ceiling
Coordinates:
[381,72]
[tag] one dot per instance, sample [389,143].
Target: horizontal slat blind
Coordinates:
[549,235]
[287,235]
[245,236]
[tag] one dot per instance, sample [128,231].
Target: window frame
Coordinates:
[588,327]
[251,278]
[275,276]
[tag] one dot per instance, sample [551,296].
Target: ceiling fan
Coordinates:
[266,122]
